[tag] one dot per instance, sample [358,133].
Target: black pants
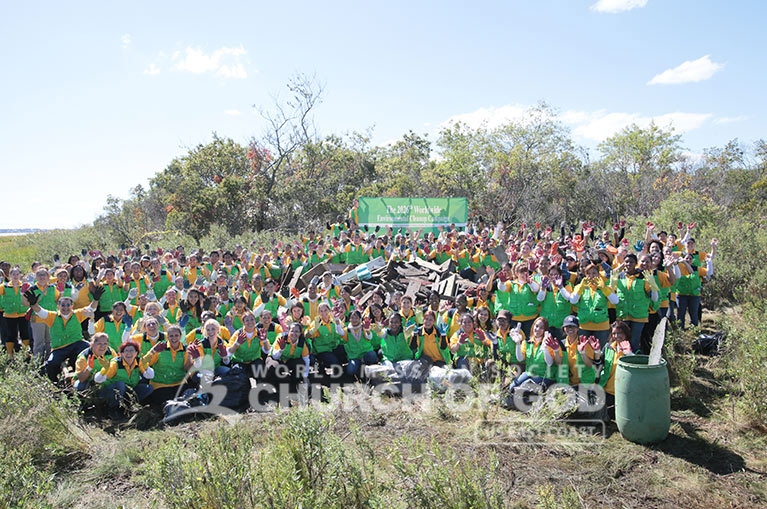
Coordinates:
[14,328]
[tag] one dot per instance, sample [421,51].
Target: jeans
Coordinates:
[688,304]
[335,357]
[462,363]
[524,377]
[116,393]
[636,335]
[65,353]
[353,368]
[671,311]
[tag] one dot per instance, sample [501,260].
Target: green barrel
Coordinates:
[642,399]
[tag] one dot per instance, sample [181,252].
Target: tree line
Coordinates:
[529,170]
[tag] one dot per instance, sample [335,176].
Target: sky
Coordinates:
[96,97]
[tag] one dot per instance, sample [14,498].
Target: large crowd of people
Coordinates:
[561,304]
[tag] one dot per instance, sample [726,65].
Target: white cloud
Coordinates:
[152,70]
[125,40]
[223,62]
[731,120]
[490,118]
[233,113]
[690,71]
[599,125]
[613,6]
[589,125]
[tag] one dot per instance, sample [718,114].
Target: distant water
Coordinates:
[10,234]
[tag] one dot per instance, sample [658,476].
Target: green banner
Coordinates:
[426,213]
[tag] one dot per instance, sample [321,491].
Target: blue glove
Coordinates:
[183,321]
[639,245]
[127,320]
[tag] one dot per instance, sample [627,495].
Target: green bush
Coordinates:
[745,356]
[35,415]
[22,482]
[299,462]
[435,476]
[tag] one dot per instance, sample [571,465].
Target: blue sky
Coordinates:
[97,97]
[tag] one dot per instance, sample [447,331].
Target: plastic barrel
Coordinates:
[642,399]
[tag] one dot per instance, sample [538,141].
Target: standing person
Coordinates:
[690,286]
[555,296]
[523,297]
[65,331]
[15,324]
[637,290]
[113,291]
[591,296]
[45,296]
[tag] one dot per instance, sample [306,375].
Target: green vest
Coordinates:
[252,352]
[635,303]
[97,365]
[535,362]
[210,354]
[65,334]
[293,351]
[586,375]
[121,375]
[356,349]
[607,367]
[111,295]
[592,307]
[160,287]
[437,338]
[272,306]
[166,370]
[327,339]
[522,300]
[690,284]
[663,293]
[555,308]
[507,349]
[114,331]
[140,285]
[396,348]
[502,301]
[10,301]
[47,299]
[473,348]
[146,343]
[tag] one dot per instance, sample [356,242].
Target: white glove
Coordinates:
[151,296]
[133,293]
[148,373]
[91,327]
[99,378]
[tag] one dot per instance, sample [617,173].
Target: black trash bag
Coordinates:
[707,344]
[237,385]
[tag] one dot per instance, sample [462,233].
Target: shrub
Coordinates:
[745,356]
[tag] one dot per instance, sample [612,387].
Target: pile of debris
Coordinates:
[416,278]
